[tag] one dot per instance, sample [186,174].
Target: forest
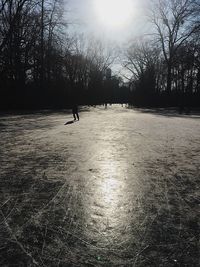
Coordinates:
[43,65]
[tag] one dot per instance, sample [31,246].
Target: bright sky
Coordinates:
[114,20]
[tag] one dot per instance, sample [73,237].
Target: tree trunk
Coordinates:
[169,78]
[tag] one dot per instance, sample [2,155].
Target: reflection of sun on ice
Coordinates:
[114,13]
[109,186]
[110,191]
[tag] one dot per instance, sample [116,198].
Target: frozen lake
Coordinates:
[120,187]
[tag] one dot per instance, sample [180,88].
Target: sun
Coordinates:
[114,13]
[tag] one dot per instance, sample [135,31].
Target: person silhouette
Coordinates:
[75,112]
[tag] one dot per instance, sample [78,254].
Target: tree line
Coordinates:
[164,66]
[43,66]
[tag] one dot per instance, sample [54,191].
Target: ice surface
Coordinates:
[120,187]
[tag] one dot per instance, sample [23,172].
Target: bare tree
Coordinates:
[175,22]
[141,60]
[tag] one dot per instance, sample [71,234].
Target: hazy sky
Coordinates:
[88,20]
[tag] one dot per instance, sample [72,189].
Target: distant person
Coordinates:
[75,112]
